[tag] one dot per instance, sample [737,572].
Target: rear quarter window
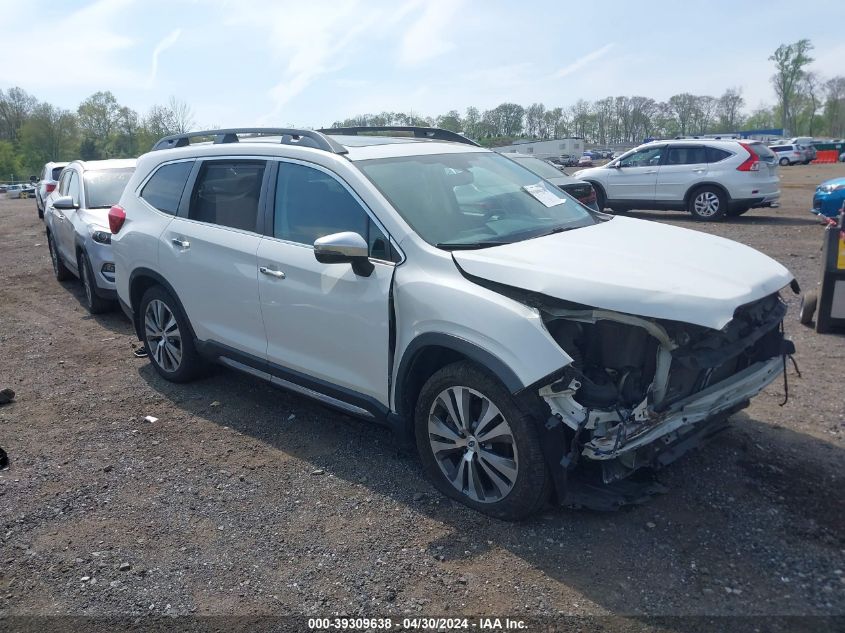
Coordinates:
[164,190]
[715,155]
[54,175]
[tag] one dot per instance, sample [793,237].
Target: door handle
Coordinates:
[651,171]
[278,274]
[181,243]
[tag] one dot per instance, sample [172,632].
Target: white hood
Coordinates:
[636,267]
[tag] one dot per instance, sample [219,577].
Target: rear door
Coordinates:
[683,166]
[635,178]
[208,252]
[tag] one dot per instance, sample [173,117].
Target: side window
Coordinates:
[227,193]
[73,188]
[715,155]
[644,158]
[686,156]
[63,183]
[312,204]
[164,190]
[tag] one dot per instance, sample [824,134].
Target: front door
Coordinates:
[635,178]
[66,238]
[324,322]
[209,255]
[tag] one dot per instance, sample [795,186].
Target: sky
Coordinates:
[312,62]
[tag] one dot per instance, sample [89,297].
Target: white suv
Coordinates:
[525,341]
[708,178]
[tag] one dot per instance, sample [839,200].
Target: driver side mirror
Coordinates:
[65,202]
[344,248]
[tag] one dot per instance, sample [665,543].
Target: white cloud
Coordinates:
[89,40]
[425,39]
[581,62]
[162,46]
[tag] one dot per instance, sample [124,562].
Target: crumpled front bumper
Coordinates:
[647,427]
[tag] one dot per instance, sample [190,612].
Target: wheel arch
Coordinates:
[431,351]
[700,185]
[141,280]
[599,189]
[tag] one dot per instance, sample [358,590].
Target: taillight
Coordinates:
[117,216]
[752,163]
[49,187]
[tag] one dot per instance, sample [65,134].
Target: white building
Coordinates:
[556,148]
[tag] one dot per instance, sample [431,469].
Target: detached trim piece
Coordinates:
[290,136]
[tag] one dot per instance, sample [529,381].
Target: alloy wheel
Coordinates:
[164,340]
[473,444]
[86,281]
[54,258]
[706,204]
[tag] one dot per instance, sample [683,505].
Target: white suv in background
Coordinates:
[46,184]
[526,342]
[708,178]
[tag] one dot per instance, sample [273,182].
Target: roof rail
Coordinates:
[435,133]
[290,136]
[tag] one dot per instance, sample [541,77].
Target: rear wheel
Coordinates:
[93,302]
[477,447]
[784,162]
[707,204]
[61,272]
[167,337]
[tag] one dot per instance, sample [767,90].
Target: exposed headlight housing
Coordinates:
[100,235]
[831,188]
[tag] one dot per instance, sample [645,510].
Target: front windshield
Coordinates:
[473,199]
[539,167]
[103,187]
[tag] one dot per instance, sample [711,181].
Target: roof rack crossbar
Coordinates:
[434,133]
[290,136]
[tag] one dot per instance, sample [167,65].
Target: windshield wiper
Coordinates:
[465,246]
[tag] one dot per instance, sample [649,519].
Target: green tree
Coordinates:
[10,166]
[49,134]
[790,61]
[450,121]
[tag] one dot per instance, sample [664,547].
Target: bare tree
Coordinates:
[730,106]
[183,115]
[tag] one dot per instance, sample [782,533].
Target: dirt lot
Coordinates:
[245,499]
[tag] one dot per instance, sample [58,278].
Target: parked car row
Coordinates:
[23,190]
[524,341]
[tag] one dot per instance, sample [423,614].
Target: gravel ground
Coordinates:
[242,499]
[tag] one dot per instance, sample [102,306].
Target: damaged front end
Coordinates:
[642,391]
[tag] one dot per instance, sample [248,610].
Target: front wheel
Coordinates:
[477,447]
[60,271]
[167,337]
[601,199]
[93,301]
[707,204]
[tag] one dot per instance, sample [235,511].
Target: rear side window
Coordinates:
[714,154]
[686,156]
[777,148]
[54,175]
[164,190]
[74,190]
[227,193]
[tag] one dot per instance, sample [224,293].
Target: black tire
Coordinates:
[784,162]
[808,307]
[707,204]
[93,302]
[601,198]
[60,271]
[619,210]
[737,211]
[40,212]
[531,486]
[190,364]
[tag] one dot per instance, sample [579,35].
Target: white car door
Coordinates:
[64,232]
[327,325]
[634,177]
[683,166]
[208,254]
